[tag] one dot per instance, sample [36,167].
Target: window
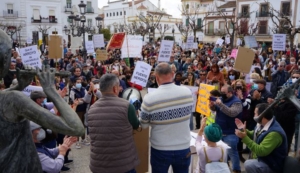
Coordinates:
[35,37]
[222,25]
[282,27]
[210,29]
[124,13]
[36,14]
[51,16]
[10,9]
[117,13]
[69,3]
[199,22]
[285,8]
[110,14]
[245,11]
[244,27]
[89,8]
[114,14]
[230,25]
[106,14]
[90,22]
[187,22]
[187,6]
[121,13]
[264,10]
[263,27]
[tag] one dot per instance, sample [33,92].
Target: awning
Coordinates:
[51,13]
[36,14]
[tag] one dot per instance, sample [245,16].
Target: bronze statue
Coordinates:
[17,150]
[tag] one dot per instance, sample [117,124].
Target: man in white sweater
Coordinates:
[167,110]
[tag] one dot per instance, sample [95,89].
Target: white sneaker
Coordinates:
[78,145]
[85,142]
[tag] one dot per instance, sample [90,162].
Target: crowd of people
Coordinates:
[236,103]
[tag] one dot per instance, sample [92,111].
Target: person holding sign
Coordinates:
[228,108]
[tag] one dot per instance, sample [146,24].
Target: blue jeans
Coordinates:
[131,171]
[179,160]
[232,141]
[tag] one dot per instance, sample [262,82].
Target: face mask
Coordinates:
[116,63]
[293,63]
[231,77]
[206,53]
[294,80]
[232,61]
[195,63]
[128,76]
[76,59]
[208,59]
[251,80]
[45,101]
[270,63]
[283,59]
[224,96]
[41,135]
[255,86]
[257,119]
[97,86]
[176,60]
[78,85]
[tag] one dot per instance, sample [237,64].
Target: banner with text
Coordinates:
[165,51]
[279,41]
[141,73]
[30,56]
[98,40]
[27,91]
[203,99]
[132,46]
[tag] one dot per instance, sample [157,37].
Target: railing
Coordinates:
[89,10]
[44,20]
[215,31]
[14,14]
[263,33]
[262,14]
[68,8]
[243,15]
[286,13]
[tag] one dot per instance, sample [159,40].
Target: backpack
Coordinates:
[216,167]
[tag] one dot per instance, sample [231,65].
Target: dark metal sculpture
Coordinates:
[17,150]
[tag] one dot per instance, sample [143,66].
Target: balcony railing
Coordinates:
[286,13]
[244,15]
[89,10]
[14,14]
[215,31]
[262,14]
[261,33]
[44,20]
[68,8]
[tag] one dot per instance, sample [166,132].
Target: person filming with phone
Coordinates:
[227,108]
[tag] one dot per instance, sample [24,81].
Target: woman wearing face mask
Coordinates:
[190,80]
[152,81]
[99,69]
[232,76]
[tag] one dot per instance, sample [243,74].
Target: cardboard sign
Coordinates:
[234,53]
[194,94]
[279,41]
[203,99]
[89,46]
[98,40]
[244,60]
[132,46]
[30,56]
[116,41]
[55,46]
[250,41]
[165,51]
[101,55]
[27,91]
[219,41]
[141,73]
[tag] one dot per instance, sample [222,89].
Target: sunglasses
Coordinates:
[295,78]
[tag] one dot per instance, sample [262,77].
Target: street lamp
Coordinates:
[82,8]
[99,23]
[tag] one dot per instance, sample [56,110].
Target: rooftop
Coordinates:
[230,4]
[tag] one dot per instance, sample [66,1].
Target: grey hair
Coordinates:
[229,88]
[163,69]
[108,81]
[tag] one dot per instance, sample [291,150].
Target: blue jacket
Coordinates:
[80,94]
[275,160]
[226,122]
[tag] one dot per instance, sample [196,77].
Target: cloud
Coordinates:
[170,6]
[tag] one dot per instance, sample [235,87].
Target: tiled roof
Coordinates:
[229,4]
[142,7]
[135,2]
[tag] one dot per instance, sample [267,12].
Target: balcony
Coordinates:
[243,15]
[216,31]
[286,13]
[89,10]
[263,14]
[44,20]
[13,14]
[68,8]
[263,32]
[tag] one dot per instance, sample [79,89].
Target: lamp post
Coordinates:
[173,31]
[99,23]
[78,22]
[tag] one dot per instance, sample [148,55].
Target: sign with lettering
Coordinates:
[98,40]
[194,94]
[132,46]
[30,56]
[227,40]
[250,41]
[203,99]
[55,46]
[141,73]
[116,41]
[279,41]
[101,55]
[89,46]
[27,91]
[189,42]
[219,41]
[165,51]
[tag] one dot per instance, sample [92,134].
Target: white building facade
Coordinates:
[122,12]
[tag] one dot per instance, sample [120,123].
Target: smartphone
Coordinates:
[212,98]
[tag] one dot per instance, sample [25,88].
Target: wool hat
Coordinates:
[213,132]
[34,126]
[37,94]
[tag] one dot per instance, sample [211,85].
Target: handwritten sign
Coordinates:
[189,42]
[279,41]
[195,45]
[98,40]
[227,40]
[234,53]
[203,99]
[55,45]
[194,94]
[165,51]
[141,73]
[250,41]
[219,41]
[89,46]
[27,91]
[30,56]
[101,55]
[132,46]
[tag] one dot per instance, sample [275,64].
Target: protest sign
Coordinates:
[189,42]
[227,40]
[116,41]
[98,40]
[203,99]
[27,91]
[18,51]
[165,51]
[234,53]
[89,46]
[141,73]
[250,41]
[219,41]
[55,46]
[194,94]
[195,45]
[101,55]
[29,41]
[279,41]
[200,37]
[132,46]
[30,56]
[244,60]
[238,42]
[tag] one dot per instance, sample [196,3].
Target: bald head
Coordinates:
[163,73]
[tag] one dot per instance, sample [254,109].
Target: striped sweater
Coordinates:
[167,110]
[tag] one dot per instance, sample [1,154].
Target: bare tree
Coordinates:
[151,21]
[162,30]
[184,30]
[44,30]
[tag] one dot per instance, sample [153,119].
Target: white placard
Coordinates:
[89,46]
[238,42]
[200,37]
[132,46]
[141,73]
[219,41]
[27,91]
[227,40]
[98,41]
[29,41]
[30,56]
[194,91]
[195,46]
[165,51]
[189,42]
[17,49]
[250,41]
[279,41]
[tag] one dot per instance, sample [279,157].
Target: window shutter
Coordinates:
[187,22]
[199,22]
